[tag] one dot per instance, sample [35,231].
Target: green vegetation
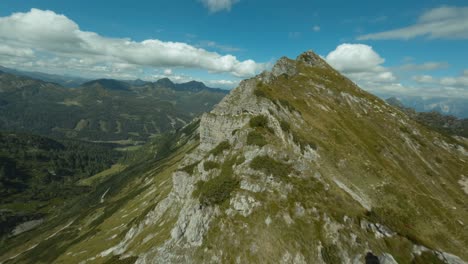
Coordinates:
[218,189]
[260,93]
[189,168]
[259,121]
[240,160]
[116,260]
[37,172]
[397,220]
[255,138]
[426,257]
[259,90]
[285,126]
[330,254]
[405,130]
[271,166]
[101,176]
[209,165]
[220,148]
[286,104]
[302,142]
[29,164]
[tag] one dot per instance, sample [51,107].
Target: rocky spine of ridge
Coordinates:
[226,124]
[296,165]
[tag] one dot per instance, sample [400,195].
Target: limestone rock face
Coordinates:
[284,66]
[311,59]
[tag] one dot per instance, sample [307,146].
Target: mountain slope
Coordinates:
[38,175]
[296,165]
[100,110]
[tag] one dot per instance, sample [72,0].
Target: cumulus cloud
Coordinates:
[359,62]
[437,23]
[351,58]
[366,67]
[218,5]
[316,28]
[54,35]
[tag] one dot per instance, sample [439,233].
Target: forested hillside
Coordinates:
[101,110]
[38,174]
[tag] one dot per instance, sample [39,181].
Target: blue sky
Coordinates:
[407,47]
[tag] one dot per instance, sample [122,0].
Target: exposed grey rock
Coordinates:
[26,226]
[386,258]
[312,59]
[450,259]
[244,204]
[284,66]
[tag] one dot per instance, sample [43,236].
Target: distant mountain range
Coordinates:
[103,109]
[443,123]
[64,80]
[448,106]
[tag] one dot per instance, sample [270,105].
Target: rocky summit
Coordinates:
[296,165]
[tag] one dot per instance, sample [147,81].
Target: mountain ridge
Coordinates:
[296,165]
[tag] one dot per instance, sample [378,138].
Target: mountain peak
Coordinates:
[108,84]
[289,67]
[165,82]
[284,65]
[312,59]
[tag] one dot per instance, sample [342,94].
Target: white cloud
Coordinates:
[428,66]
[316,28]
[167,72]
[423,79]
[426,91]
[453,82]
[55,35]
[223,83]
[6,50]
[359,62]
[217,46]
[219,5]
[350,58]
[461,81]
[437,23]
[365,66]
